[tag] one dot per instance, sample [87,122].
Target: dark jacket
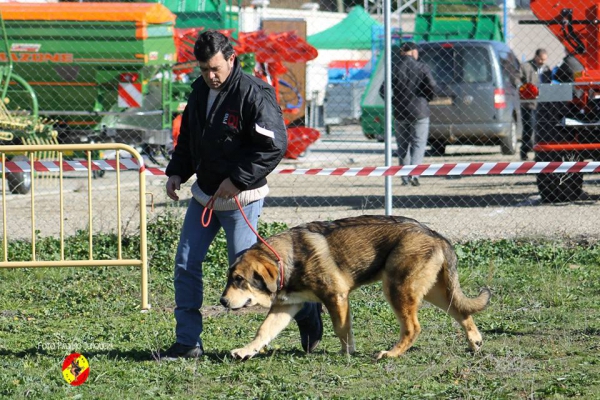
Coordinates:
[413,88]
[244,137]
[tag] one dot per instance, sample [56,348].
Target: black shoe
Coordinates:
[524,156]
[415,182]
[404,181]
[179,350]
[311,327]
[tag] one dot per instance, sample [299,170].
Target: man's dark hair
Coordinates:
[211,42]
[408,46]
[539,52]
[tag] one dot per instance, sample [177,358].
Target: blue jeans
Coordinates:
[194,242]
[411,137]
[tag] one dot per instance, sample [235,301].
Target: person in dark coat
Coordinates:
[413,88]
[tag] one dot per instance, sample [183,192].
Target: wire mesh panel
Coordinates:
[122,72]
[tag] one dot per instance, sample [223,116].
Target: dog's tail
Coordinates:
[455,294]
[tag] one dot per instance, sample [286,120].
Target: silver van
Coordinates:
[478,96]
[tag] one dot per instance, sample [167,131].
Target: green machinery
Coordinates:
[441,23]
[20,126]
[209,14]
[95,67]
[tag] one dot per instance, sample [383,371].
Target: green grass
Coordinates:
[541,331]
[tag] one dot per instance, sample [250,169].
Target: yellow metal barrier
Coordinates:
[142,262]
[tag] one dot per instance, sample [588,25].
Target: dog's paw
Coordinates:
[475,346]
[382,354]
[243,353]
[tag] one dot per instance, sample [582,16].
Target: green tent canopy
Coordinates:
[353,32]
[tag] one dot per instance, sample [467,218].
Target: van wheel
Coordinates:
[437,148]
[508,144]
[19,182]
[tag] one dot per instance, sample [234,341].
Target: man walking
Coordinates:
[232,136]
[413,87]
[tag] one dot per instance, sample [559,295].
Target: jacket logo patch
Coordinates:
[231,119]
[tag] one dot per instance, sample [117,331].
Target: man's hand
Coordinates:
[226,190]
[173,184]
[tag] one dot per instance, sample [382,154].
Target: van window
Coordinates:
[457,64]
[441,62]
[510,68]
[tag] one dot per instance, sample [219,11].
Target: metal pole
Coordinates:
[505,16]
[388,101]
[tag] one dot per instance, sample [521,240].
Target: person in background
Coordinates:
[413,88]
[534,71]
[232,136]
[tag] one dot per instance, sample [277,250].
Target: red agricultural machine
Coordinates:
[568,130]
[262,54]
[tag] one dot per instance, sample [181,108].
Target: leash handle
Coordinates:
[206,221]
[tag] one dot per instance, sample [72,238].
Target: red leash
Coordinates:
[208,207]
[206,221]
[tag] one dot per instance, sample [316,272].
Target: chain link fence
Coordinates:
[121,72]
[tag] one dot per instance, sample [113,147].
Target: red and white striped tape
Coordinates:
[54,166]
[458,169]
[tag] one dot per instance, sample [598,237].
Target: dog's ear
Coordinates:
[266,273]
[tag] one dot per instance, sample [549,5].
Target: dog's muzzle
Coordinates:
[227,304]
[224,302]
